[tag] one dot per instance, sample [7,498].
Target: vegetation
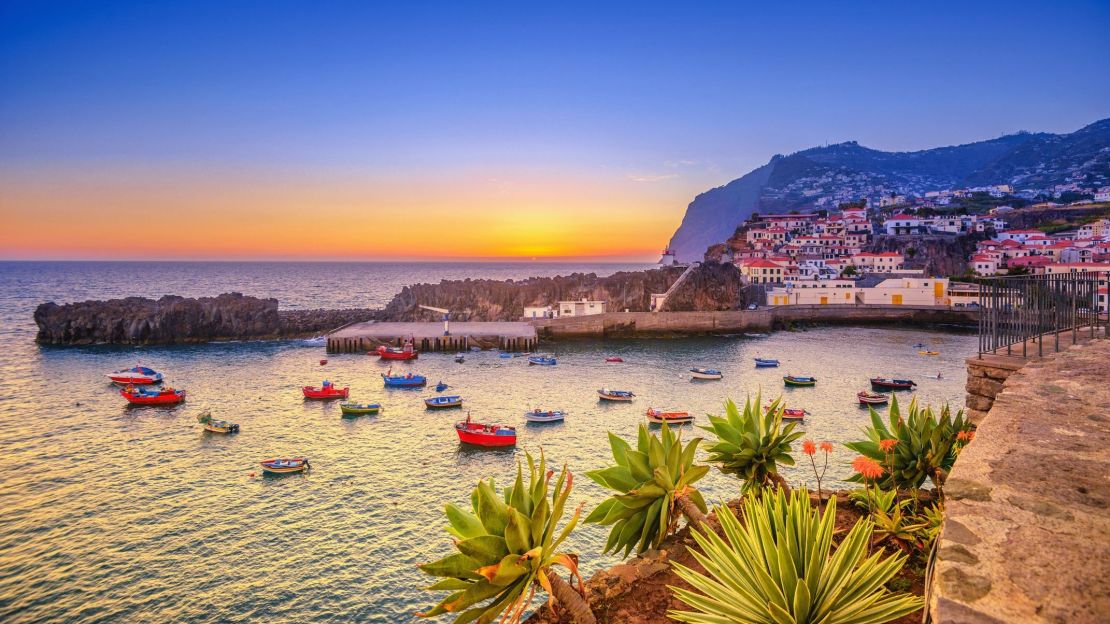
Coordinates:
[507,546]
[655,486]
[778,566]
[752,445]
[911,449]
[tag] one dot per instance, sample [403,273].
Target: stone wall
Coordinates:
[1028,500]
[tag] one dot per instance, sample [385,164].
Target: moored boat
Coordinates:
[765,362]
[408,380]
[606,394]
[480,434]
[325,392]
[460,357]
[136,376]
[871,398]
[540,416]
[542,360]
[147,396]
[892,384]
[216,426]
[789,413]
[928,352]
[671,418]
[920,345]
[284,465]
[754,335]
[443,402]
[406,352]
[705,373]
[359,409]
[796,380]
[613,359]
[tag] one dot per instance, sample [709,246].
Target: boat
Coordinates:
[884,383]
[322,362]
[440,387]
[672,418]
[541,360]
[614,358]
[406,352]
[754,335]
[539,416]
[871,398]
[325,392]
[408,380]
[284,465]
[359,409]
[765,363]
[789,414]
[795,380]
[137,376]
[928,352]
[920,345]
[442,402]
[480,434]
[460,357]
[504,355]
[606,394]
[148,396]
[705,373]
[216,426]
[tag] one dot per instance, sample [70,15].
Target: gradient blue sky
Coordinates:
[630,108]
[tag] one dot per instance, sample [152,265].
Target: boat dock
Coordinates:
[506,336]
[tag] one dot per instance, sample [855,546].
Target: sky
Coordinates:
[421,130]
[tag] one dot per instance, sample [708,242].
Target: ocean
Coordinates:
[121,514]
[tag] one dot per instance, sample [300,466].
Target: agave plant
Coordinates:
[507,546]
[655,487]
[751,444]
[922,445]
[776,567]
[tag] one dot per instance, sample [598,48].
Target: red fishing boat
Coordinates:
[674,418]
[480,434]
[148,396]
[789,414]
[406,352]
[325,392]
[614,359]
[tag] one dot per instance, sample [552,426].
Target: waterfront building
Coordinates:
[813,292]
[963,295]
[584,307]
[878,262]
[928,291]
[538,312]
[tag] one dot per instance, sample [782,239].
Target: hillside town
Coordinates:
[868,252]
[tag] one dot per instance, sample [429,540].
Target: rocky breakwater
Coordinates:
[173,319]
[496,300]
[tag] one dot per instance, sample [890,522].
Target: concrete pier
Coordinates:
[507,336]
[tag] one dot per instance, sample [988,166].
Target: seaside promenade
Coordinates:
[367,336]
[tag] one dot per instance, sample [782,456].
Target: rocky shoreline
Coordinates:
[181,320]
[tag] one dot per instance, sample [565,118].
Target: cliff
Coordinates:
[709,288]
[172,319]
[939,255]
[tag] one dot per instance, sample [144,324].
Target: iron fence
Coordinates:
[1019,314]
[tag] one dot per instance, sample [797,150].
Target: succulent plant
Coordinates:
[751,444]
[778,566]
[655,486]
[507,546]
[924,445]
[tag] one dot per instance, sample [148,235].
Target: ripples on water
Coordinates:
[117,514]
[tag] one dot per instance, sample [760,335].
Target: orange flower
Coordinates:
[826,446]
[887,445]
[965,436]
[808,447]
[867,467]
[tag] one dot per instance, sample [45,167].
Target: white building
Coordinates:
[901,224]
[536,312]
[584,307]
[1103,194]
[882,262]
[927,291]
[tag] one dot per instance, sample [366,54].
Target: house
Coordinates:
[903,224]
[761,271]
[812,292]
[1018,235]
[984,265]
[535,312]
[584,307]
[1076,255]
[882,262]
[1098,229]
[928,291]
[771,236]
[1103,194]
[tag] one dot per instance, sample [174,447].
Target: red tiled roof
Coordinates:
[760,263]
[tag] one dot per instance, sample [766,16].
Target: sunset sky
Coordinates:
[349,130]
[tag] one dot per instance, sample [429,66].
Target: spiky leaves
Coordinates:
[925,448]
[505,543]
[778,566]
[751,444]
[654,485]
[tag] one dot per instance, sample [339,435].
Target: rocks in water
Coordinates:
[173,319]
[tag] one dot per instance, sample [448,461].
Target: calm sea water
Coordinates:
[113,514]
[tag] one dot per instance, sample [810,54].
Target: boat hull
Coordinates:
[272,467]
[892,384]
[870,399]
[359,410]
[799,383]
[615,397]
[706,377]
[433,404]
[486,435]
[670,418]
[228,428]
[766,363]
[170,398]
[544,417]
[405,382]
[320,394]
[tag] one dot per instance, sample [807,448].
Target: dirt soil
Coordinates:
[637,591]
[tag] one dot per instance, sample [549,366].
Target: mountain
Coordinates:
[824,176]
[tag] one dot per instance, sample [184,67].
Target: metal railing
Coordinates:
[1019,314]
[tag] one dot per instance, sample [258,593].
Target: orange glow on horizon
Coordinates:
[195,215]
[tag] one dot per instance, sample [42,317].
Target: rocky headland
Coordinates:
[173,319]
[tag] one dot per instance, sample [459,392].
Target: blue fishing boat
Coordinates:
[765,363]
[541,360]
[440,387]
[539,416]
[504,355]
[407,380]
[442,402]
